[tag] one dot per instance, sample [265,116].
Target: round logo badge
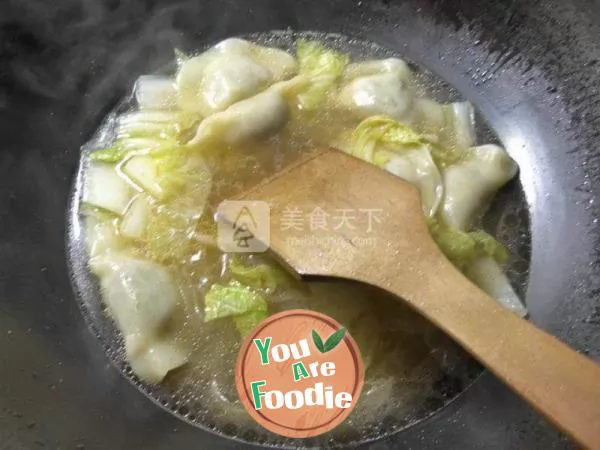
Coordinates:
[299,373]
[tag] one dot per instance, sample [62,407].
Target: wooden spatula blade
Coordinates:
[346,207]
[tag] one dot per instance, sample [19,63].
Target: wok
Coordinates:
[531,67]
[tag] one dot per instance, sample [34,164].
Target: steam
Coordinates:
[84,52]
[87,53]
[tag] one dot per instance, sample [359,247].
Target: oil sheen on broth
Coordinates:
[146,198]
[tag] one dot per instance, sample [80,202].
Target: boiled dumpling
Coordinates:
[230,78]
[368,68]
[430,116]
[470,184]
[258,116]
[378,94]
[379,87]
[417,167]
[157,359]
[232,71]
[489,276]
[280,63]
[141,297]
[210,83]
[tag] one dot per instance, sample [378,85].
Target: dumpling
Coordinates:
[430,116]
[141,297]
[378,94]
[470,184]
[379,87]
[210,83]
[258,116]
[230,78]
[368,68]
[487,274]
[417,167]
[157,360]
[280,63]
[231,71]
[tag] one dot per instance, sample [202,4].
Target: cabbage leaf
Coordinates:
[324,66]
[179,172]
[462,247]
[261,276]
[147,132]
[247,307]
[377,138]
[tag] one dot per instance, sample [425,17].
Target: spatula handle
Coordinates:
[557,381]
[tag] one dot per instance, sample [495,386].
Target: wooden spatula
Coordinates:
[381,238]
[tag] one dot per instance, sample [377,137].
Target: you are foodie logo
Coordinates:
[299,374]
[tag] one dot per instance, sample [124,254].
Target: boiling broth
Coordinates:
[412,368]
